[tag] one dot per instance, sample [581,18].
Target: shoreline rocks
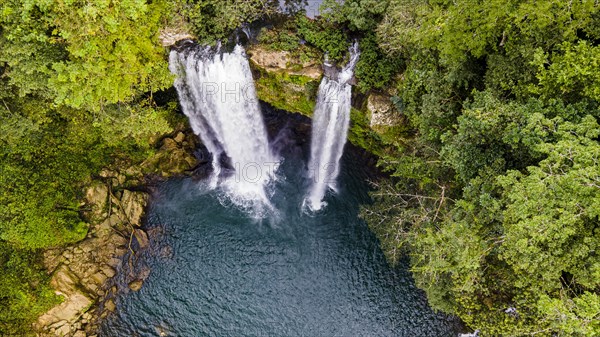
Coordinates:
[82,272]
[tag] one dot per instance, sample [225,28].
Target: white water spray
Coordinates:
[329,131]
[217,93]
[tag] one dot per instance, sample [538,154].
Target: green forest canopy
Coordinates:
[495,180]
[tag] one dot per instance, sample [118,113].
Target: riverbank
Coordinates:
[115,203]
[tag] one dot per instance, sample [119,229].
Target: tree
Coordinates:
[84,54]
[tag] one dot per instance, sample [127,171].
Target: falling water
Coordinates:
[330,129]
[217,93]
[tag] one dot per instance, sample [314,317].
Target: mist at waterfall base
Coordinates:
[217,271]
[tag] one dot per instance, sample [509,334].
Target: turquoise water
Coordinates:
[215,271]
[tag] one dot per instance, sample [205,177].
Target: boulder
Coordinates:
[169,144]
[108,271]
[169,36]
[133,204]
[68,311]
[79,334]
[270,59]
[63,330]
[382,111]
[109,305]
[64,281]
[136,285]
[99,278]
[97,196]
[141,237]
[180,137]
[173,158]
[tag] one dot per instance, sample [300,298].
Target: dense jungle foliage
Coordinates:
[495,188]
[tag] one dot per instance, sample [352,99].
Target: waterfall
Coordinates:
[217,94]
[329,131]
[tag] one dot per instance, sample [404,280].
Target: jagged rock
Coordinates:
[136,285]
[64,281]
[175,156]
[275,60]
[106,225]
[141,237]
[180,137]
[269,59]
[110,305]
[170,35]
[169,144]
[80,272]
[52,259]
[106,173]
[118,240]
[97,196]
[58,324]
[97,193]
[82,267]
[133,204]
[108,271]
[99,278]
[134,174]
[63,330]
[79,333]
[382,111]
[89,285]
[67,311]
[120,251]
[67,255]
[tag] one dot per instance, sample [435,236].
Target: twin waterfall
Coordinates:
[217,94]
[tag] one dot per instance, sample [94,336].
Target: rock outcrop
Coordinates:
[169,36]
[284,82]
[283,61]
[382,112]
[82,271]
[175,156]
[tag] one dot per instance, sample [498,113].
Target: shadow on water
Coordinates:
[217,272]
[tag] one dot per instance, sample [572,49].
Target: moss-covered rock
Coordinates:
[287,80]
[286,91]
